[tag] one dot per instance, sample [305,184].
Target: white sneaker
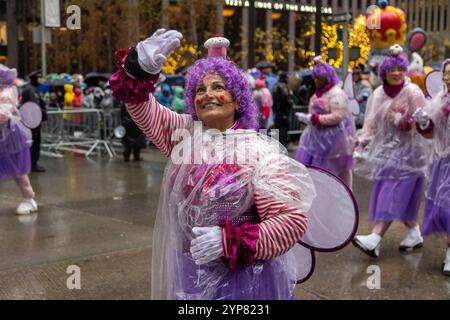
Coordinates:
[369,244]
[27,206]
[413,240]
[446,264]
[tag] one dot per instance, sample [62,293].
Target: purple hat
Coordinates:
[445,64]
[323,70]
[395,59]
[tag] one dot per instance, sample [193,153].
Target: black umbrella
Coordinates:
[93,78]
[264,64]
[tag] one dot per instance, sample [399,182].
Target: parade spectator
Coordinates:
[282,106]
[363,90]
[178,100]
[30,93]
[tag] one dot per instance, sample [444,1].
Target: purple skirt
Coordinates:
[327,147]
[264,280]
[336,166]
[15,158]
[436,218]
[395,199]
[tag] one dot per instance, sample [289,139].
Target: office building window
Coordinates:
[446,26]
[3,38]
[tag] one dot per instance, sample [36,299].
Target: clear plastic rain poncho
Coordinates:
[331,146]
[438,191]
[221,185]
[441,121]
[386,150]
[13,133]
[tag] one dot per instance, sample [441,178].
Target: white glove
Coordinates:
[207,246]
[421,117]
[154,51]
[303,117]
[397,118]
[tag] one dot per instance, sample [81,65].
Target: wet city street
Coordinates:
[98,214]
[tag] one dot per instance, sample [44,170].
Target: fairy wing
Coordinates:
[433,83]
[349,90]
[333,216]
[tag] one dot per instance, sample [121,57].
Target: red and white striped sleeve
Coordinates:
[158,123]
[282,224]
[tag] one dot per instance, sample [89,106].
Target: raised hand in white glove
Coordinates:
[207,244]
[421,117]
[303,117]
[154,51]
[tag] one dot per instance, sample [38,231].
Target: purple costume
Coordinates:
[238,182]
[393,155]
[15,158]
[328,142]
[437,207]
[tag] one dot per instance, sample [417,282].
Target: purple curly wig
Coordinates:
[325,71]
[235,82]
[7,75]
[389,63]
[445,64]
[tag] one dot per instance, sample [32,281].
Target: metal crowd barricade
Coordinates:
[85,131]
[295,126]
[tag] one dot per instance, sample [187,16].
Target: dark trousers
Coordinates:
[127,152]
[35,148]
[282,124]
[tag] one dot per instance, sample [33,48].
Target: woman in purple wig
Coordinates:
[15,161]
[327,141]
[393,155]
[233,203]
[434,123]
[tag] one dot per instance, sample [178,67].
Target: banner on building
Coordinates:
[52,13]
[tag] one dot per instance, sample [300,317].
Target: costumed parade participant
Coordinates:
[393,155]
[327,140]
[233,205]
[434,122]
[15,138]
